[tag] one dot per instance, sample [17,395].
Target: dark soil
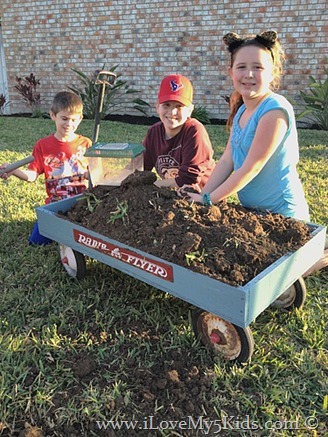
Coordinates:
[225,241]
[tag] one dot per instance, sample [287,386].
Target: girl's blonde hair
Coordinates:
[266,40]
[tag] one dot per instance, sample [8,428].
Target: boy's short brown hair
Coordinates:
[67,100]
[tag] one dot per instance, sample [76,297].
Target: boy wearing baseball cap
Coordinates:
[178,146]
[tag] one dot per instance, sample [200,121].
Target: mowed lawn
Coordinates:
[49,320]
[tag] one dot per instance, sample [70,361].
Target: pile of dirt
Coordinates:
[224,241]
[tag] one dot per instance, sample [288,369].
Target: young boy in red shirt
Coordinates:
[178,146]
[60,156]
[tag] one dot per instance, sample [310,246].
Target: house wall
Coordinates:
[150,39]
[3,79]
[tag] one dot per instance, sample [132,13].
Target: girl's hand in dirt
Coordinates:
[196,197]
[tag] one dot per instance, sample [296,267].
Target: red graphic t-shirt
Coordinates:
[63,165]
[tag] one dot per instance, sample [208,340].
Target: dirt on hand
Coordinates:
[225,241]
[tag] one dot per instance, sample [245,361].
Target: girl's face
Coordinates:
[252,71]
[173,115]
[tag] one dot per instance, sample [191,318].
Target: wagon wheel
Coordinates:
[222,337]
[293,297]
[73,262]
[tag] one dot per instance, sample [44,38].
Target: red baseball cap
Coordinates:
[177,88]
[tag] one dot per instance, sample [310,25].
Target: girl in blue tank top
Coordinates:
[261,156]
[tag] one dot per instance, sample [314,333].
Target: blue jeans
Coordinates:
[37,238]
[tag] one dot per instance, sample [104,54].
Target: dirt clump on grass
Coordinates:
[225,241]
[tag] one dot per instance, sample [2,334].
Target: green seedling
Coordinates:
[193,258]
[92,201]
[231,242]
[119,213]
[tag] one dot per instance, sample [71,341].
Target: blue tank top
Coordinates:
[277,188]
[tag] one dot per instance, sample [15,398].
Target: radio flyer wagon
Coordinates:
[223,312]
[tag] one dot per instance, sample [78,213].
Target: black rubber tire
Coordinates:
[241,339]
[300,296]
[73,262]
[298,288]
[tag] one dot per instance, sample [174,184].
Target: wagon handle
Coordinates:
[104,78]
[107,77]
[15,165]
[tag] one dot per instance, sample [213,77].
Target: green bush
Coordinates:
[201,114]
[118,98]
[316,102]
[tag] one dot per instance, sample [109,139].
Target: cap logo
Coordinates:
[175,86]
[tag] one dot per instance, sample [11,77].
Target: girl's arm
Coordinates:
[221,172]
[269,134]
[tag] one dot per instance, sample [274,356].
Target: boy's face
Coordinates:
[66,123]
[173,115]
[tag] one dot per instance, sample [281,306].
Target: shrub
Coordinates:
[116,97]
[3,103]
[201,114]
[27,89]
[316,102]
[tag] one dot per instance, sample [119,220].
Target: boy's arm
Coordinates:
[196,154]
[147,160]
[6,170]
[221,172]
[24,175]
[166,183]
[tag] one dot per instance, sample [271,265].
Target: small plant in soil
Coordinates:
[232,242]
[193,258]
[120,212]
[92,201]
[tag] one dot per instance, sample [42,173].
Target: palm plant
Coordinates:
[201,114]
[316,101]
[120,96]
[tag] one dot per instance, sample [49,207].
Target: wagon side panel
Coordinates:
[201,291]
[266,287]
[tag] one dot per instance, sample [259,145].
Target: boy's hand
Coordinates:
[185,190]
[13,167]
[4,174]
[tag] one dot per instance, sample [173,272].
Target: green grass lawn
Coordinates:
[132,333]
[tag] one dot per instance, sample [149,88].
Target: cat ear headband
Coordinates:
[266,39]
